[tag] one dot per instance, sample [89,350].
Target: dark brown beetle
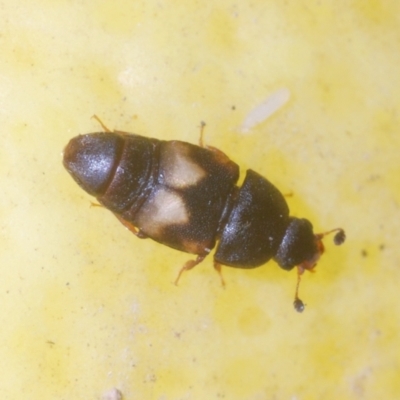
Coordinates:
[185,196]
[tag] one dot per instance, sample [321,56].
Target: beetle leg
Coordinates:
[217,267]
[107,129]
[219,155]
[189,265]
[101,123]
[206,146]
[131,227]
[305,266]
[125,223]
[298,303]
[201,138]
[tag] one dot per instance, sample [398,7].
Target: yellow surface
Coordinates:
[86,307]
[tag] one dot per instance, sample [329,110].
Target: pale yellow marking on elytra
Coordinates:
[162,209]
[178,169]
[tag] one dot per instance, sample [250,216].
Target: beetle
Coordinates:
[186,197]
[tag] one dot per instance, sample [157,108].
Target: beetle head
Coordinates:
[299,246]
[90,159]
[302,248]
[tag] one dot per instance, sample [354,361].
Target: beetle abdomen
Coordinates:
[256,224]
[90,159]
[115,168]
[173,192]
[134,173]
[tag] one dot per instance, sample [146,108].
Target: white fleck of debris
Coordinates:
[130,77]
[113,394]
[265,109]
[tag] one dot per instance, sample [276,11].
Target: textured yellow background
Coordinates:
[87,307]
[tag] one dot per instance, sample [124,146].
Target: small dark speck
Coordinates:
[364,253]
[381,247]
[150,378]
[233,108]
[374,177]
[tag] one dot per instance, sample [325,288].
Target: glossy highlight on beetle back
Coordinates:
[90,159]
[186,197]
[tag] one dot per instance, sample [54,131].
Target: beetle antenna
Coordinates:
[201,139]
[309,265]
[298,303]
[338,239]
[94,116]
